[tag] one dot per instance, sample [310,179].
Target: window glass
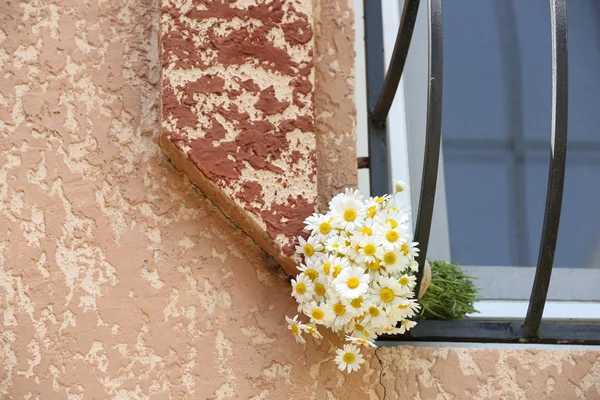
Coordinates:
[496,131]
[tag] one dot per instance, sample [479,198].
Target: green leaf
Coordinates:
[450,295]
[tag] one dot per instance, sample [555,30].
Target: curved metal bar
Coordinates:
[556,178]
[433,134]
[396,67]
[378,150]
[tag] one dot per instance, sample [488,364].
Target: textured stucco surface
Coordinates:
[120,280]
[335,112]
[237,96]
[462,373]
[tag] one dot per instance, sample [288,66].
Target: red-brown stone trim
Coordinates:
[238,111]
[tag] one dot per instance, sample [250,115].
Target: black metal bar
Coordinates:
[396,67]
[556,176]
[499,332]
[378,152]
[433,134]
[362,162]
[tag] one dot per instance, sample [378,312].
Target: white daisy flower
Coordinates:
[348,213]
[409,249]
[312,329]
[374,316]
[400,186]
[413,265]
[375,267]
[357,304]
[323,289]
[358,330]
[357,276]
[296,327]
[406,325]
[406,309]
[318,313]
[387,292]
[369,249]
[361,341]
[310,268]
[372,211]
[349,358]
[393,219]
[319,225]
[302,288]
[351,282]
[328,263]
[337,245]
[341,313]
[346,194]
[393,261]
[309,247]
[378,202]
[392,238]
[389,330]
[339,265]
[407,283]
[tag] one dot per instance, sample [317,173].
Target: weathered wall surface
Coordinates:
[119,280]
[443,373]
[237,85]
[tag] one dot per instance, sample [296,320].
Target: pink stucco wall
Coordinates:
[118,279]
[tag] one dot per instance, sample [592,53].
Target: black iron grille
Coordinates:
[381,89]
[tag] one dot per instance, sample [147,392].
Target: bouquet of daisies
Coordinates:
[358,275]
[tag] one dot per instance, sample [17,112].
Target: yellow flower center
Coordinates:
[339,309]
[317,314]
[312,274]
[366,231]
[294,329]
[319,289]
[300,288]
[370,249]
[389,258]
[404,280]
[309,250]
[404,248]
[375,265]
[336,270]
[325,228]
[349,215]
[403,306]
[374,311]
[357,302]
[371,212]
[359,327]
[326,267]
[379,199]
[335,245]
[392,223]
[391,236]
[353,282]
[386,294]
[349,358]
